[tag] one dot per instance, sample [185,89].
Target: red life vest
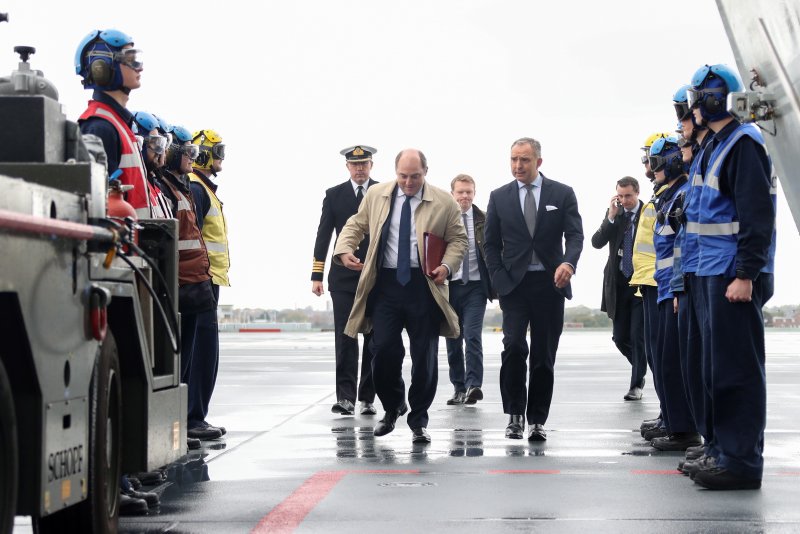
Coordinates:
[130,161]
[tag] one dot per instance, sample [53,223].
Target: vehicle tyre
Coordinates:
[99,512]
[8,455]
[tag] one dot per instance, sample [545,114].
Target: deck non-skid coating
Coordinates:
[288,464]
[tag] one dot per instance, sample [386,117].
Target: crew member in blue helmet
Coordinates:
[153,145]
[666,161]
[112,68]
[736,241]
[195,287]
[685,211]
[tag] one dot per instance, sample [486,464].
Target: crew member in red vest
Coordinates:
[108,64]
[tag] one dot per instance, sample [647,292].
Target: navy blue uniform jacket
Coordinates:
[558,237]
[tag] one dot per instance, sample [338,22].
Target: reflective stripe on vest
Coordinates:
[718,226]
[676,252]
[664,263]
[193,264]
[691,250]
[215,235]
[130,161]
[189,244]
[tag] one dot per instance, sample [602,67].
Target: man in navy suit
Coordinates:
[525,223]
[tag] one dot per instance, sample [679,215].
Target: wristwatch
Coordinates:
[741,275]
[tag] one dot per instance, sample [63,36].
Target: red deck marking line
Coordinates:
[259,330]
[527,472]
[656,472]
[287,516]
[790,473]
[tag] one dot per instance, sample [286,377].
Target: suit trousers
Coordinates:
[651,318]
[690,317]
[347,354]
[535,303]
[628,332]
[736,378]
[677,414]
[469,303]
[204,367]
[411,307]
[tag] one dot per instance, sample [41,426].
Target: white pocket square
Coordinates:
[551,208]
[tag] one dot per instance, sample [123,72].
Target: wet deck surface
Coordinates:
[288,464]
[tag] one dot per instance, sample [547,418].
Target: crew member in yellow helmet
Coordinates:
[644,270]
[211,221]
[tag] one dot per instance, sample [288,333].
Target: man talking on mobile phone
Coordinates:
[620,300]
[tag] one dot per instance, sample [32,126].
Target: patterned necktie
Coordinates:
[360,193]
[530,218]
[627,247]
[404,244]
[465,265]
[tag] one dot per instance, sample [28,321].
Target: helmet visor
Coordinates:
[218,151]
[130,57]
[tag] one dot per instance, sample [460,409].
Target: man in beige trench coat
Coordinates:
[394,293]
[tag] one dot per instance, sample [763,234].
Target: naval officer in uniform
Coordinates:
[340,203]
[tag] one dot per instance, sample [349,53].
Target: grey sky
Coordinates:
[289,84]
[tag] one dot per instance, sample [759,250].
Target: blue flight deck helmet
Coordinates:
[710,88]
[143,124]
[99,57]
[665,155]
[180,135]
[165,129]
[681,102]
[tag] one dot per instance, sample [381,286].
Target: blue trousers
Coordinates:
[677,415]
[202,372]
[736,377]
[690,317]
[469,303]
[651,320]
[188,331]
[411,307]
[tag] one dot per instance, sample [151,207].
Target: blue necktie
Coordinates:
[627,247]
[404,245]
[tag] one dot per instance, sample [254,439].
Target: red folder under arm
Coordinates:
[434,252]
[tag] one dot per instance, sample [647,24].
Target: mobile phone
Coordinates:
[617,203]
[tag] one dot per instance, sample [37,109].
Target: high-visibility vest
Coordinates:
[664,241]
[718,224]
[193,265]
[215,234]
[644,252]
[130,161]
[690,250]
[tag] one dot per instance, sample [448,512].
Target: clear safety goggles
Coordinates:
[190,151]
[130,57]
[682,142]
[156,143]
[646,154]
[218,151]
[695,96]
[659,162]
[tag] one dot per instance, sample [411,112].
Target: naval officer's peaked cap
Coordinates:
[355,154]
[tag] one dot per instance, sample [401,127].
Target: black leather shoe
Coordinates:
[516,427]
[420,435]
[367,408]
[459,397]
[344,407]
[705,462]
[677,442]
[153,478]
[386,424]
[693,453]
[193,444]
[474,394]
[220,428]
[633,394]
[718,478]
[651,422]
[150,498]
[131,506]
[134,482]
[537,433]
[204,432]
[657,432]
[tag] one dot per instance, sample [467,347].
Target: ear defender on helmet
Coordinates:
[211,148]
[177,148]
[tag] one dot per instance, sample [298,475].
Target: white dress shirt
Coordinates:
[393,240]
[356,186]
[537,194]
[474,272]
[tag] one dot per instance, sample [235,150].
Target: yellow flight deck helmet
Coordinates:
[210,147]
[648,143]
